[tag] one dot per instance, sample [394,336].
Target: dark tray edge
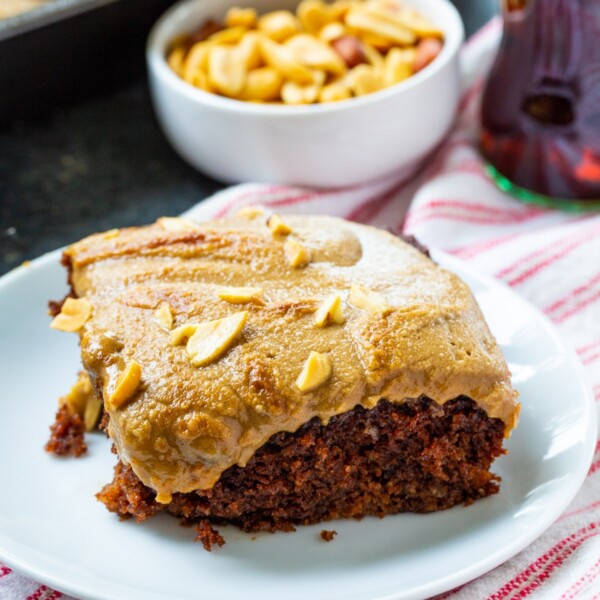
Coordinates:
[46,15]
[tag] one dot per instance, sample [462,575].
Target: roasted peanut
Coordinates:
[332,31]
[163,316]
[93,409]
[404,16]
[281,58]
[279,25]
[335,91]
[250,212]
[249,50]
[350,49]
[364,79]
[126,385]
[339,9]
[297,254]
[176,59]
[226,70]
[293,93]
[330,311]
[79,394]
[314,15]
[413,20]
[398,66]
[374,24]
[231,35]
[380,43]
[241,17]
[73,315]
[427,50]
[182,334]
[240,295]
[194,67]
[374,57]
[212,338]
[262,84]
[314,53]
[278,226]
[315,372]
[368,300]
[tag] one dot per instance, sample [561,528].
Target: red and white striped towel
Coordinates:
[550,258]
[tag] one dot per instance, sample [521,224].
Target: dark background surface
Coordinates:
[93,157]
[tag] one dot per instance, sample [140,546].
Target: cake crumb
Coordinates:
[67,434]
[328,535]
[207,535]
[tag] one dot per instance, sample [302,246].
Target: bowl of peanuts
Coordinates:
[312,93]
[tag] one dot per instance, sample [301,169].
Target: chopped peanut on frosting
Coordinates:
[207,341]
[240,295]
[296,253]
[315,372]
[330,311]
[73,315]
[126,386]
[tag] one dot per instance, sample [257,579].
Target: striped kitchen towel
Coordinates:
[551,258]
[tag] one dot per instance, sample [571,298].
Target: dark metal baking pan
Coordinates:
[46,14]
[69,50]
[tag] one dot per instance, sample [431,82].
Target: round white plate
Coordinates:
[53,529]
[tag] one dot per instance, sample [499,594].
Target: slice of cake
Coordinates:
[270,371]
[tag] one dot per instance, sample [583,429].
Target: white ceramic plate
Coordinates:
[53,529]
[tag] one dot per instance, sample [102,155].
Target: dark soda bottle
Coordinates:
[541,105]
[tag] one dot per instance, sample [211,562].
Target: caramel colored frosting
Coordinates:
[186,424]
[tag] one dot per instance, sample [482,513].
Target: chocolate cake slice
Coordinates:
[274,371]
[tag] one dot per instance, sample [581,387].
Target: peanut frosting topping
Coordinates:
[369,317]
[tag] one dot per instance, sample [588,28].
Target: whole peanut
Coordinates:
[427,50]
[350,49]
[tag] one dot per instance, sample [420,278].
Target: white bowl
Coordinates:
[321,145]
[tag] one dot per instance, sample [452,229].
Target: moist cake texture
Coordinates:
[413,377]
[416,456]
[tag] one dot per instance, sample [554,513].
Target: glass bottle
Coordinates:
[541,105]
